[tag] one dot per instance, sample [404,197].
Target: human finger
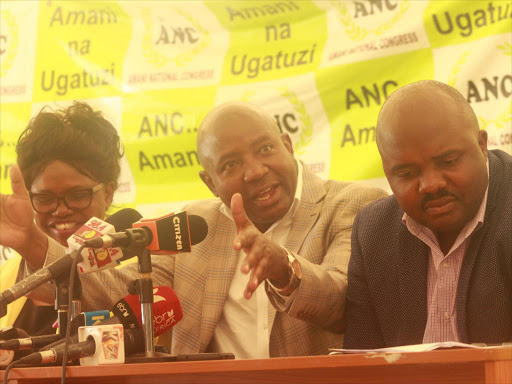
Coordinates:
[17,183]
[258,274]
[238,212]
[254,246]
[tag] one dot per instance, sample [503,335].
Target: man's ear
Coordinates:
[482,141]
[287,141]
[209,182]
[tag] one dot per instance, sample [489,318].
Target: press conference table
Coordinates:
[451,366]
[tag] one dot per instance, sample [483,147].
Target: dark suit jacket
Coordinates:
[386,301]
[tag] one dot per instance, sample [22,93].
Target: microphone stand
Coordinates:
[144,287]
[76,304]
[61,300]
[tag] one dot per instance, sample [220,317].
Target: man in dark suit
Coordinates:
[433,262]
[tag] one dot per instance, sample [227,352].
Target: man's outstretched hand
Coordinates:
[264,258]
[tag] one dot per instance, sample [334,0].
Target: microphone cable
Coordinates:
[8,368]
[68,314]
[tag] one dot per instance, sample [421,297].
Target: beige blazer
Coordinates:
[319,237]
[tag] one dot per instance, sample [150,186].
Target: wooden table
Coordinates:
[465,366]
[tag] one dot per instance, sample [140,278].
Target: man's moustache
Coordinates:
[436,196]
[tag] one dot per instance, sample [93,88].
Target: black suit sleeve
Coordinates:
[362,330]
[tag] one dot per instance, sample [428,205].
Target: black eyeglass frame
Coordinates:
[59,198]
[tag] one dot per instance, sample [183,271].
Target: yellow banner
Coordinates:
[321,68]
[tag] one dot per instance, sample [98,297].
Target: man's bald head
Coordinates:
[228,114]
[425,95]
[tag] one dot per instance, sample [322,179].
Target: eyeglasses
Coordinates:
[75,200]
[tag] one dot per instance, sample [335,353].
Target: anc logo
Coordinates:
[302,135]
[506,115]
[178,44]
[503,117]
[354,30]
[9,40]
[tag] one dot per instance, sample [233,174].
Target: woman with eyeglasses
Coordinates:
[69,163]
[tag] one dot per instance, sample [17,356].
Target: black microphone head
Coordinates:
[123,219]
[179,231]
[9,333]
[198,229]
[133,341]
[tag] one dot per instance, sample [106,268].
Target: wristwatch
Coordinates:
[295,275]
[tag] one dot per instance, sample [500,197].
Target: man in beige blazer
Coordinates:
[270,278]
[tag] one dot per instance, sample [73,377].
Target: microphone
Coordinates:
[55,355]
[58,267]
[8,356]
[32,342]
[27,285]
[168,234]
[167,309]
[123,218]
[167,312]
[96,259]
[133,343]
[8,333]
[84,319]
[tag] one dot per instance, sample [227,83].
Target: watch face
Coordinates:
[295,265]
[297,269]
[296,274]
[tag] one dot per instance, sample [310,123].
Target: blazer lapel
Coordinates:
[495,175]
[313,193]
[412,270]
